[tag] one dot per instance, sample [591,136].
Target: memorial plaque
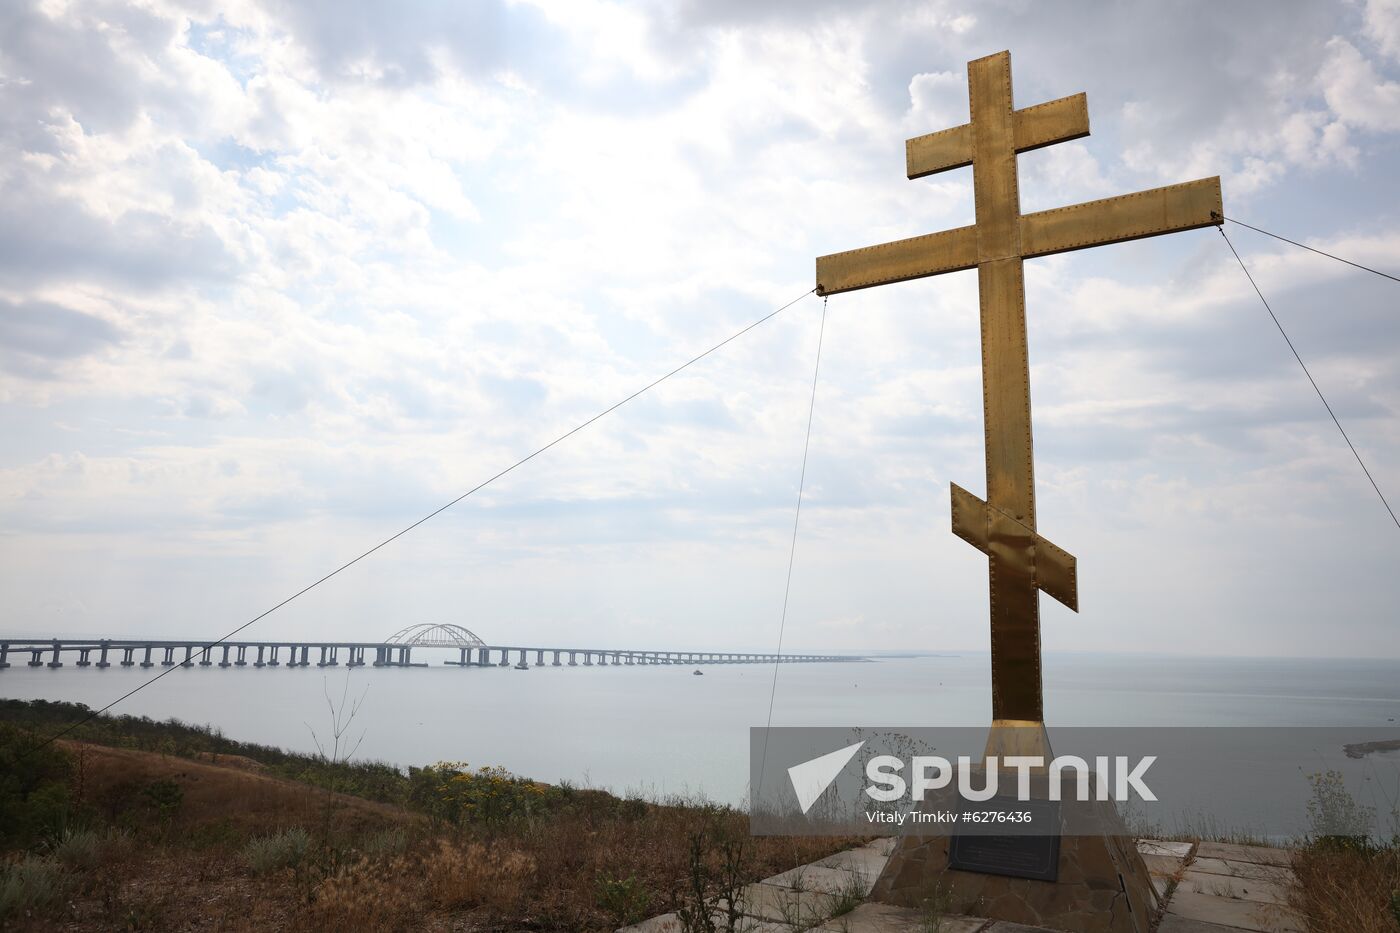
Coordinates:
[1035,857]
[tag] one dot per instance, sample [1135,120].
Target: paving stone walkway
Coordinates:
[1206,887]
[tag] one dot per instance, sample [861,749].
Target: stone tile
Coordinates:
[1259,855]
[750,925]
[769,902]
[670,923]
[1159,847]
[822,878]
[666,923]
[884,918]
[1244,915]
[1167,865]
[863,861]
[1252,870]
[884,845]
[1159,884]
[1171,923]
[1244,889]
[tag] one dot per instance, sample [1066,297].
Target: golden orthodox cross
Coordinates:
[1021,562]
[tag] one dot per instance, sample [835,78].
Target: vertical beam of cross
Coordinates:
[1020,562]
[1006,396]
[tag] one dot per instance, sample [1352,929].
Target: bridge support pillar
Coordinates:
[4,655]
[36,658]
[83,657]
[556,657]
[206,656]
[56,648]
[242,660]
[573,661]
[539,658]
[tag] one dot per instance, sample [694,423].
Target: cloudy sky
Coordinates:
[277,279]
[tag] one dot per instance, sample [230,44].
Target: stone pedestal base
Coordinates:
[1102,885]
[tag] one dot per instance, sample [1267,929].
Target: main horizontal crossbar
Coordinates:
[1171,209]
[1056,570]
[1094,223]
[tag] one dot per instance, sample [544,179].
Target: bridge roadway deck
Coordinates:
[127,652]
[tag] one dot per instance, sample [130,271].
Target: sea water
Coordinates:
[660,730]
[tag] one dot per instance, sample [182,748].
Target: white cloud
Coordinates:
[1356,92]
[1383,25]
[311,283]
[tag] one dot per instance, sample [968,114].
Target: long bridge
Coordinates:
[397,651]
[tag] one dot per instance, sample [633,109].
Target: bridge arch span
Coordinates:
[436,635]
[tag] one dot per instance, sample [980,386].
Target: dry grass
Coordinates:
[376,867]
[1348,890]
[237,800]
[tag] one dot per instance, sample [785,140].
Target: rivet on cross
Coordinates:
[1021,562]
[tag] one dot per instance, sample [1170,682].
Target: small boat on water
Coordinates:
[698,673]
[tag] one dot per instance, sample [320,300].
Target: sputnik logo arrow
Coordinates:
[811,778]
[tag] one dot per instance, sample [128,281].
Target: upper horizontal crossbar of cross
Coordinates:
[1056,121]
[1094,223]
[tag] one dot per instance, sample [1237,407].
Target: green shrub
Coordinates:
[452,791]
[285,849]
[1335,819]
[33,787]
[32,884]
[386,842]
[165,797]
[626,900]
[86,849]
